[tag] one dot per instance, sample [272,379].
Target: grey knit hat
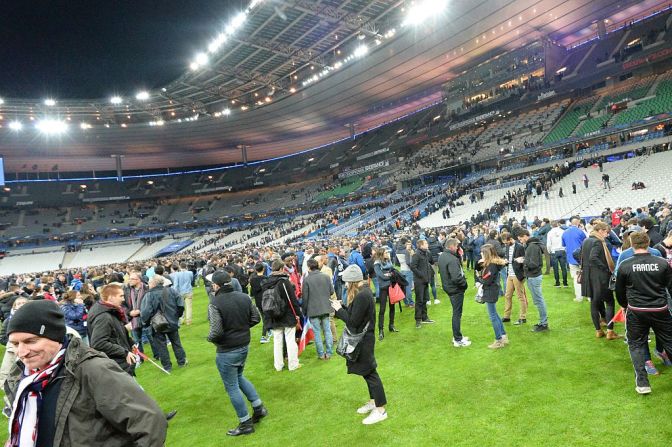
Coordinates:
[352,273]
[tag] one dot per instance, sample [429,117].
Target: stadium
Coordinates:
[247,133]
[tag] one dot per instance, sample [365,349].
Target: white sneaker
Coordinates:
[374,417]
[429,303]
[578,300]
[643,389]
[462,343]
[505,339]
[366,408]
[437,302]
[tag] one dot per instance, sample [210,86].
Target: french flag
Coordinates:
[307,334]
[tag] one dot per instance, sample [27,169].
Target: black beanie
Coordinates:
[42,317]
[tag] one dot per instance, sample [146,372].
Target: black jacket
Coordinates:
[490,279]
[534,258]
[420,265]
[287,292]
[231,315]
[151,303]
[452,275]
[355,316]
[256,289]
[641,281]
[434,247]
[108,335]
[595,270]
[655,237]
[499,248]
[518,252]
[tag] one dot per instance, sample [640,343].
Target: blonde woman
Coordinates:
[359,316]
[489,267]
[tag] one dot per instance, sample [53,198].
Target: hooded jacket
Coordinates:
[534,258]
[108,335]
[99,404]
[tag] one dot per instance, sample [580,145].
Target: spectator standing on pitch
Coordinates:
[231,315]
[134,292]
[383,267]
[107,328]
[422,275]
[404,256]
[515,280]
[557,252]
[532,263]
[61,378]
[454,284]
[572,239]
[360,317]
[283,326]
[182,280]
[597,267]
[488,275]
[257,279]
[642,285]
[163,298]
[317,292]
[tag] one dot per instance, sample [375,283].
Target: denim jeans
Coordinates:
[321,326]
[160,344]
[559,259]
[534,284]
[432,284]
[497,324]
[375,287]
[230,365]
[408,276]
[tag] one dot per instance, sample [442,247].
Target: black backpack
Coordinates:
[272,302]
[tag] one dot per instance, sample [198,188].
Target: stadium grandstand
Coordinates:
[323,126]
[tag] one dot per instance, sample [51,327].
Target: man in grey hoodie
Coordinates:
[317,292]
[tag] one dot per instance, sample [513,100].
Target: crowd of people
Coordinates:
[621,256]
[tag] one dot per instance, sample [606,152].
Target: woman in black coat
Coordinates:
[489,267]
[596,270]
[360,316]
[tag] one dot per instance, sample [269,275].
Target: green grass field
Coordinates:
[562,388]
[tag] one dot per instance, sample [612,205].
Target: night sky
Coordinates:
[96,48]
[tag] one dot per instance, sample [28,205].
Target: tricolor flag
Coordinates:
[307,335]
[619,317]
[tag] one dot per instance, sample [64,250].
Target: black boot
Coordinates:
[244,428]
[393,329]
[171,414]
[381,334]
[260,412]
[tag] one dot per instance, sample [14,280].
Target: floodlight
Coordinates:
[2,101]
[49,102]
[116,100]
[238,20]
[194,66]
[201,58]
[142,96]
[16,125]
[226,112]
[361,51]
[85,126]
[51,126]
[420,12]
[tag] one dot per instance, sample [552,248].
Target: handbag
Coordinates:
[349,344]
[396,294]
[479,293]
[159,322]
[612,281]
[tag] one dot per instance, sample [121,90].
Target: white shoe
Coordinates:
[374,417]
[366,408]
[462,343]
[643,389]
[429,303]
[437,302]
[578,300]
[505,339]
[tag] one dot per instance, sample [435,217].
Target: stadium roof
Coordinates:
[273,84]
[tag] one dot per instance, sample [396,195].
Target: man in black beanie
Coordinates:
[58,375]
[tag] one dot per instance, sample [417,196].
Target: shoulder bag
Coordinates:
[349,343]
[159,322]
